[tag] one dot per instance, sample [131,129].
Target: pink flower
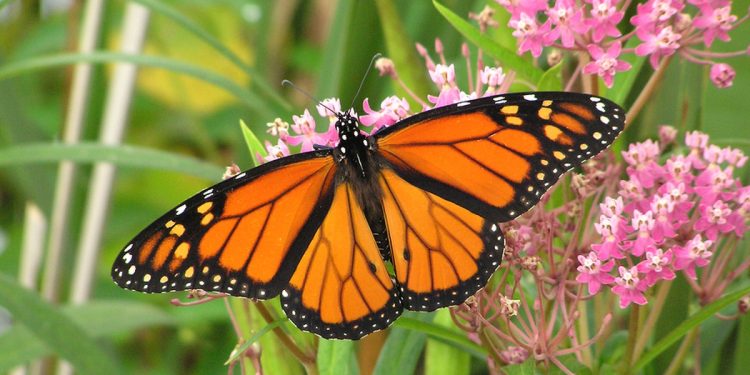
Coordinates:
[392,109]
[667,135]
[530,34]
[514,355]
[329,107]
[629,287]
[694,253]
[304,127]
[443,76]
[642,159]
[611,207]
[656,266]
[716,22]
[604,19]
[610,228]
[722,75]
[658,45]
[713,184]
[447,96]
[679,169]
[593,273]
[493,77]
[643,223]
[275,151]
[734,157]
[654,12]
[606,64]
[567,20]
[663,206]
[277,128]
[714,219]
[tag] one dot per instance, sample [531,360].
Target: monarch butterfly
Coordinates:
[425,194]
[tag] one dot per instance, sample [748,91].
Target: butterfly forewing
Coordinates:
[243,236]
[496,156]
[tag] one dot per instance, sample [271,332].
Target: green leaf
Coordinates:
[402,349]
[98,319]
[166,10]
[445,358]
[401,50]
[55,329]
[551,79]
[692,322]
[443,334]
[33,64]
[240,350]
[120,155]
[508,58]
[253,143]
[337,357]
[526,368]
[741,359]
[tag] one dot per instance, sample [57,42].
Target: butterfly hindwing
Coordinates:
[243,236]
[497,155]
[442,253]
[341,288]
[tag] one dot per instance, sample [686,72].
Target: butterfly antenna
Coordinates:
[289,83]
[362,82]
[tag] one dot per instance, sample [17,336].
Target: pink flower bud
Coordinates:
[722,75]
[667,135]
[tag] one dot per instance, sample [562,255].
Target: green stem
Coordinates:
[632,335]
[647,91]
[308,361]
[679,357]
[656,306]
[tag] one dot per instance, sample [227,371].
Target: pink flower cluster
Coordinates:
[663,28]
[667,218]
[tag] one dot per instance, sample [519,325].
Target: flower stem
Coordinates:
[679,357]
[632,335]
[649,89]
[653,316]
[308,361]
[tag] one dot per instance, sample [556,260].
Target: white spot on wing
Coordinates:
[530,97]
[462,104]
[239,176]
[179,210]
[600,107]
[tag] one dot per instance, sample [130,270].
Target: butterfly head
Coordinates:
[353,145]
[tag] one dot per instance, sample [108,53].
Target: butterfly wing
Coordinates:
[243,236]
[341,288]
[496,156]
[442,253]
[452,173]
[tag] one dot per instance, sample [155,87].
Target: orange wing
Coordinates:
[496,156]
[442,253]
[341,288]
[243,236]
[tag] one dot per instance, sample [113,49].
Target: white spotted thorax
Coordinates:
[352,144]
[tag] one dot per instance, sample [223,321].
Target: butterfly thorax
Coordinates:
[353,150]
